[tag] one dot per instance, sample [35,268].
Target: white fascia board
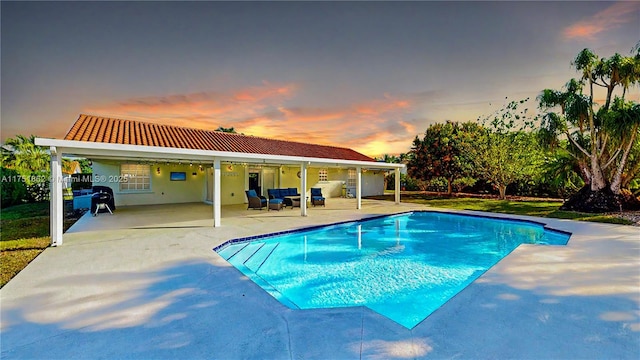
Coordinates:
[87,148]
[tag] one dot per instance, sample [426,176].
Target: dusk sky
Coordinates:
[364,75]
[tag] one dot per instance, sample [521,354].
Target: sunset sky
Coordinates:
[364,75]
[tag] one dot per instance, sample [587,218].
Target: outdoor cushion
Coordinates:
[275,201]
[252,193]
[293,192]
[316,192]
[273,193]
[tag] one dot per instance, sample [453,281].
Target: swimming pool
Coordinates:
[403,266]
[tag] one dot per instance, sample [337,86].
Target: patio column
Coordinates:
[216,192]
[303,189]
[56,209]
[397,187]
[359,187]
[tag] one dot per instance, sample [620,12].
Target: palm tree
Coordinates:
[22,155]
[602,135]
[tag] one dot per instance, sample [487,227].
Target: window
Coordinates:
[135,177]
[322,175]
[351,181]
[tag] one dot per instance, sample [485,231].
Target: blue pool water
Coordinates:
[403,267]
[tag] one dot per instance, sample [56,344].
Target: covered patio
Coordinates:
[198,215]
[142,144]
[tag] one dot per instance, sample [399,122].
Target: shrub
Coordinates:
[438,184]
[406,183]
[462,183]
[14,190]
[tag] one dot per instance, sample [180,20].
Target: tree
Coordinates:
[603,136]
[389,178]
[31,163]
[439,154]
[504,158]
[562,173]
[22,155]
[226,130]
[69,166]
[85,165]
[14,190]
[504,152]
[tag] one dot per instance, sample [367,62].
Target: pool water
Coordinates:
[404,266]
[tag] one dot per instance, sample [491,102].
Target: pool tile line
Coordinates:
[374,217]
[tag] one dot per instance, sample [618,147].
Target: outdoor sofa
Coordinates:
[282,195]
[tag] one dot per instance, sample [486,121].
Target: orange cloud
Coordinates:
[373,126]
[202,109]
[610,18]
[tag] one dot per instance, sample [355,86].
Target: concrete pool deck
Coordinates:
[145,283]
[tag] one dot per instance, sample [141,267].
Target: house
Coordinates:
[147,163]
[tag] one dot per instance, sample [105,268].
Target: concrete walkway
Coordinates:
[147,285]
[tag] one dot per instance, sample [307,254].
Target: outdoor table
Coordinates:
[295,201]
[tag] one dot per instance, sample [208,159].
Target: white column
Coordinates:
[246,180]
[303,189]
[397,187]
[216,192]
[359,187]
[56,216]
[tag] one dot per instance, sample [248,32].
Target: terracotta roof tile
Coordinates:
[116,131]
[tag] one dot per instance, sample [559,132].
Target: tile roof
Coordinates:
[117,131]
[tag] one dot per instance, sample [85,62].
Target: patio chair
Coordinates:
[255,201]
[316,197]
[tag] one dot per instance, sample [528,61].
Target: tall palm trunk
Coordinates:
[597,177]
[617,178]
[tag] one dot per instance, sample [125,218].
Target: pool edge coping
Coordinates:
[373,217]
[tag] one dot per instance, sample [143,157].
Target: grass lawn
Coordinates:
[539,208]
[25,234]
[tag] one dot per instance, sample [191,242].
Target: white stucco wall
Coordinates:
[372,183]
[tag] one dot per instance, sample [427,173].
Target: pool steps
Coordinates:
[273,247]
[233,250]
[251,255]
[249,259]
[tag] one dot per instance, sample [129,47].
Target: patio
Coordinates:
[193,215]
[144,283]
